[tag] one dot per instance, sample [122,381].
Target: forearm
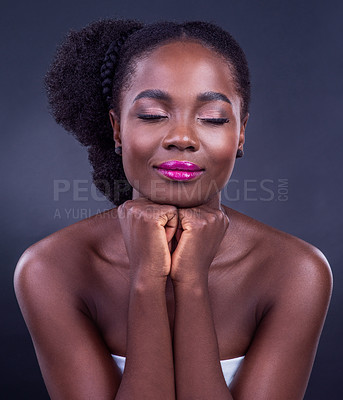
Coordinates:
[149,369]
[198,371]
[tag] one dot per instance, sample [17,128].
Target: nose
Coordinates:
[182,136]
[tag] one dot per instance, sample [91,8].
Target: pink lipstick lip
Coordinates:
[179,170]
[179,166]
[179,175]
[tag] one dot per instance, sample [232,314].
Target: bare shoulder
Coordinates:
[290,282]
[287,261]
[52,283]
[67,256]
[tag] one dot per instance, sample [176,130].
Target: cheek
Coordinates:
[223,150]
[224,167]
[137,149]
[223,146]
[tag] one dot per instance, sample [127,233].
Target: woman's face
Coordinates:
[181,106]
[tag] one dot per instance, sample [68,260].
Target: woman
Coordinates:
[198,300]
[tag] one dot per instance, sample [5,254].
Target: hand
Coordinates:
[203,229]
[148,229]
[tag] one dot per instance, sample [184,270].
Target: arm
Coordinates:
[149,369]
[198,371]
[74,360]
[280,357]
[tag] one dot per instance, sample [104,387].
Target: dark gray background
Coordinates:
[294,49]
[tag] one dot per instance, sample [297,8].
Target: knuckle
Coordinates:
[201,223]
[212,218]
[121,210]
[127,203]
[125,207]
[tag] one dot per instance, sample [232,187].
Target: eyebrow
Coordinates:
[153,94]
[161,95]
[213,96]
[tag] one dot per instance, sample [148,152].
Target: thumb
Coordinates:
[171,226]
[169,221]
[178,231]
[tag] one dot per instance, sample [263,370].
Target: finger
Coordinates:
[173,244]
[186,215]
[169,221]
[171,225]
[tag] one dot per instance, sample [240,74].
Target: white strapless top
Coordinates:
[229,367]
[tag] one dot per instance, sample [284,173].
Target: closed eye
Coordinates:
[151,117]
[215,121]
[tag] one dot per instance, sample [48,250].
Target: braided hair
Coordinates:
[93,66]
[110,64]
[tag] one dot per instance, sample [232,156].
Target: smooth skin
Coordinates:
[172,279]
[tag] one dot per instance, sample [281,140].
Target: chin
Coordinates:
[178,202]
[178,194]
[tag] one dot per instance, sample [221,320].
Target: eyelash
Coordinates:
[151,117]
[214,121]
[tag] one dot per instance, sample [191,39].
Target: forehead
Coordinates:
[183,68]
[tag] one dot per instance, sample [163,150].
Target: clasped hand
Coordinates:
[162,240]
